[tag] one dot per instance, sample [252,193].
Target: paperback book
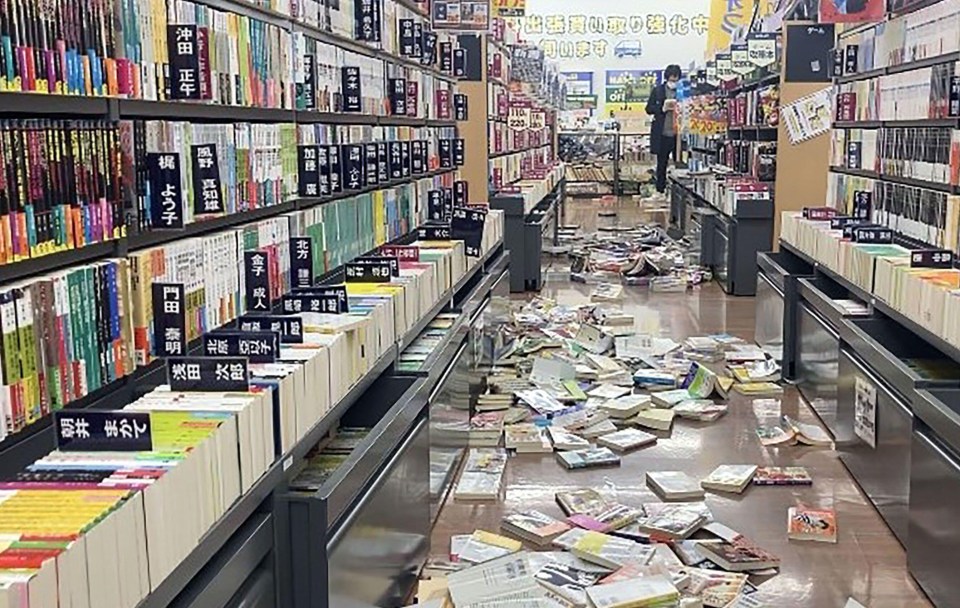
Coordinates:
[591,458]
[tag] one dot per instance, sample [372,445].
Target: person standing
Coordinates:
[663,135]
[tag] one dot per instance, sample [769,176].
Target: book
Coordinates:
[608,391]
[808,434]
[741,555]
[481,475]
[668,399]
[527,438]
[582,500]
[758,389]
[496,578]
[482,546]
[812,524]
[569,582]
[674,485]
[776,436]
[756,371]
[610,551]
[700,382]
[625,406]
[609,519]
[715,589]
[730,478]
[603,427]
[653,379]
[657,419]
[591,458]
[486,429]
[782,476]
[646,591]
[534,526]
[565,440]
[607,292]
[702,410]
[626,440]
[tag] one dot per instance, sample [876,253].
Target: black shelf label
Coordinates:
[289,328]
[395,160]
[398,96]
[446,153]
[838,61]
[256,272]
[323,169]
[308,89]
[459,62]
[849,226]
[211,375]
[353,165]
[459,152]
[301,261]
[418,39]
[337,291]
[308,171]
[103,431]
[838,222]
[404,253]
[467,225]
[447,202]
[371,164]
[405,158]
[461,193]
[256,346]
[429,55]
[185,76]
[376,260]
[819,213]
[446,57]
[461,105]
[434,232]
[169,319]
[853,155]
[954,96]
[435,207]
[366,16]
[166,200]
[383,171]
[931,258]
[356,272]
[874,235]
[308,302]
[850,63]
[207,188]
[407,38]
[862,204]
[336,168]
[416,157]
[350,87]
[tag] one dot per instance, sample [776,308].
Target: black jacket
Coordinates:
[655,108]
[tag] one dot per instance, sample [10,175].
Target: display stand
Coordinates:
[525,229]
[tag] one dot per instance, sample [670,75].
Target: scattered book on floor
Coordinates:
[687,551]
[650,379]
[740,555]
[730,478]
[534,527]
[771,436]
[668,399]
[756,371]
[626,406]
[611,518]
[485,429]
[759,389]
[701,410]
[527,438]
[715,589]
[626,440]
[723,386]
[699,382]
[812,524]
[782,476]
[608,391]
[591,458]
[607,292]
[603,427]
[582,500]
[650,591]
[565,440]
[497,578]
[610,551]
[568,539]
[657,419]
[674,485]
[484,546]
[568,582]
[672,522]
[808,434]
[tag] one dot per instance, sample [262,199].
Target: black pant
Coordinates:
[668,148]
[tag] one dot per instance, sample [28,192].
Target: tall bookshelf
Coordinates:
[150,117]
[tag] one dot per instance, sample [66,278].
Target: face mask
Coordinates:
[671,84]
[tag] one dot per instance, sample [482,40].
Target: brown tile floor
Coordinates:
[867,563]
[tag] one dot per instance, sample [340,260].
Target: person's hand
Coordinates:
[669,104]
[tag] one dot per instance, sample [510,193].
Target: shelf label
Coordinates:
[334,291]
[838,56]
[323,165]
[334,157]
[429,42]
[366,15]
[762,48]
[819,213]
[853,154]
[931,258]
[289,328]
[211,375]
[407,38]
[459,62]
[467,225]
[307,90]
[376,260]
[166,202]
[712,78]
[383,171]
[852,223]
[103,431]
[256,274]
[395,160]
[850,60]
[416,157]
[351,92]
[298,302]
[353,165]
[740,59]
[405,158]
[461,106]
[308,171]
[873,235]
[954,96]
[301,261]
[256,346]
[862,204]
[446,153]
[418,39]
[207,188]
[398,96]
[169,320]
[404,253]
[413,97]
[725,67]
[446,57]
[358,272]
[372,165]
[434,232]
[461,193]
[184,62]
[436,210]
[443,104]
[459,152]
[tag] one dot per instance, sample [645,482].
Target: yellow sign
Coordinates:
[509,8]
[726,16]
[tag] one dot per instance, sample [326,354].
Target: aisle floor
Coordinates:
[867,563]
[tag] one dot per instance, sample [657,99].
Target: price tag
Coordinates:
[301,261]
[169,320]
[257,347]
[207,188]
[204,374]
[103,431]
[931,258]
[289,328]
[256,281]
[368,273]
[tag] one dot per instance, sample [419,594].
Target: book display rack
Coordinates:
[221,223]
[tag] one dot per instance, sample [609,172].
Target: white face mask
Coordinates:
[671,84]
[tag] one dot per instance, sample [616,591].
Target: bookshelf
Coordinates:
[286,92]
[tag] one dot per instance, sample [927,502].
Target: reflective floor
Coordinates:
[867,563]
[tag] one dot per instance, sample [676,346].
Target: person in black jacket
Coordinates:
[663,135]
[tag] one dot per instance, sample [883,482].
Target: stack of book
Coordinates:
[482,475]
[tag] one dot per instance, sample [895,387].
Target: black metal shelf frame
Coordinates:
[906,181]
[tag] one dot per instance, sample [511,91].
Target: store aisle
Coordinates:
[867,564]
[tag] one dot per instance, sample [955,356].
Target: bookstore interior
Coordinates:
[360,304]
